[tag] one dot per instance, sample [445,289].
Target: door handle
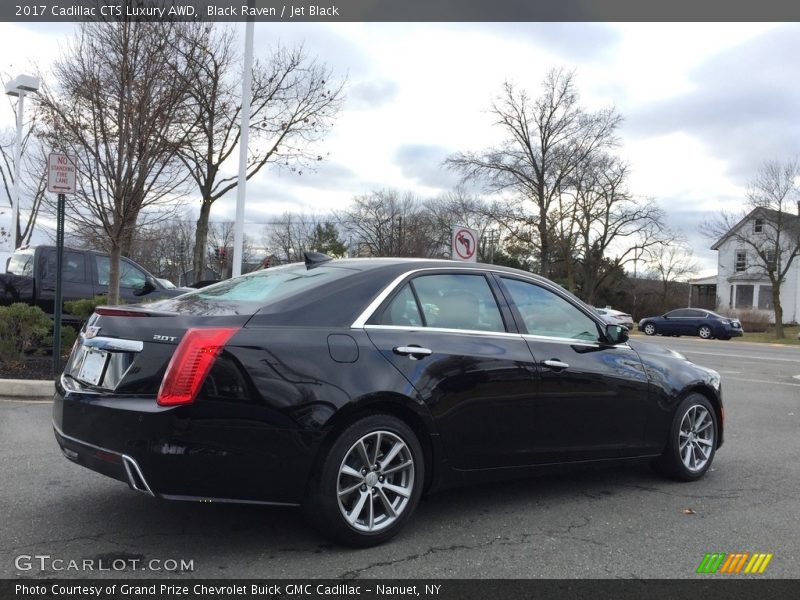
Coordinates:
[413,352]
[556,364]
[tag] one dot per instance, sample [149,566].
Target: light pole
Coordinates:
[20,86]
[244,132]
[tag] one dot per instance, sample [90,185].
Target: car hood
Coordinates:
[645,349]
[670,365]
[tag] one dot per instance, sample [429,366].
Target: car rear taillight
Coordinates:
[191,362]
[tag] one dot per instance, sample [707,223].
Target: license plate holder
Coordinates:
[93,366]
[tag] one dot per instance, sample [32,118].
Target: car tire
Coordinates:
[724,337]
[363,503]
[705,332]
[694,425]
[649,329]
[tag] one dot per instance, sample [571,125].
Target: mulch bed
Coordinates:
[32,367]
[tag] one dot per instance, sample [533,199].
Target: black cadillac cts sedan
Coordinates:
[352,387]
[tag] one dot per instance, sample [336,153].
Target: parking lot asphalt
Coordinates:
[614,522]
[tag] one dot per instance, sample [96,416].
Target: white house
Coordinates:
[742,281]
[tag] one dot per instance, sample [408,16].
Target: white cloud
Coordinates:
[419,91]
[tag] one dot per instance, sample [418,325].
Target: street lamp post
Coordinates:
[20,86]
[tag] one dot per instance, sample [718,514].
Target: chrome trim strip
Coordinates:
[420,328]
[362,319]
[124,457]
[503,334]
[225,500]
[130,463]
[365,316]
[572,342]
[112,344]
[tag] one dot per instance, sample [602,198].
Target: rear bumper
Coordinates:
[196,452]
[112,464]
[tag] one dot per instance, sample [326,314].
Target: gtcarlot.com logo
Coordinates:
[735,563]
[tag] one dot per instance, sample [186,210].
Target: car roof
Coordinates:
[410,264]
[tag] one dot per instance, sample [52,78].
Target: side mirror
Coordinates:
[148,286]
[616,334]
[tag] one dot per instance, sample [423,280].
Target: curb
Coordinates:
[31,389]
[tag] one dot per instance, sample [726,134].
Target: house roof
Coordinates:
[768,213]
[711,280]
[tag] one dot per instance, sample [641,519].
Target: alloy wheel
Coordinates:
[650,329]
[696,438]
[375,481]
[704,332]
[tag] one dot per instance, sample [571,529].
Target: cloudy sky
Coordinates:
[704,104]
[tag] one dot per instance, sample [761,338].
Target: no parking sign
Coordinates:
[465,244]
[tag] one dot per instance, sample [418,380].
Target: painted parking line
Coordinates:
[687,351]
[762,381]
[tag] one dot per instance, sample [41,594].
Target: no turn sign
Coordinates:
[465,244]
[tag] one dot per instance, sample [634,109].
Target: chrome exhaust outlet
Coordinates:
[135,477]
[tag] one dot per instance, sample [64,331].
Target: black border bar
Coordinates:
[706,587]
[403,10]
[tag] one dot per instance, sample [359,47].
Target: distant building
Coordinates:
[742,281]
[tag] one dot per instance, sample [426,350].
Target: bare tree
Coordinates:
[546,139]
[294,233]
[607,224]
[117,106]
[772,198]
[33,182]
[165,248]
[669,263]
[294,102]
[219,249]
[388,223]
[289,236]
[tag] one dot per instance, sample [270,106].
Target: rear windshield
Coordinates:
[258,289]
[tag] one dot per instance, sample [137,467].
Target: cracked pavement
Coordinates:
[614,522]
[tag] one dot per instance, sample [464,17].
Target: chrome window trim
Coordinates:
[420,328]
[571,341]
[367,313]
[502,334]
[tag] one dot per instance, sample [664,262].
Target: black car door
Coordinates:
[74,280]
[447,334]
[593,397]
[132,280]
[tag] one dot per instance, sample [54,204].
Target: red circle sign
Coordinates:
[464,244]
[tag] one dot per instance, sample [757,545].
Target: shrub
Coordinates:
[68,337]
[84,307]
[752,319]
[23,328]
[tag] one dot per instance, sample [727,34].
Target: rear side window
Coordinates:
[458,302]
[402,310]
[73,267]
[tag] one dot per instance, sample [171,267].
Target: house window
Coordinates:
[765,297]
[741,261]
[758,226]
[772,259]
[744,296]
